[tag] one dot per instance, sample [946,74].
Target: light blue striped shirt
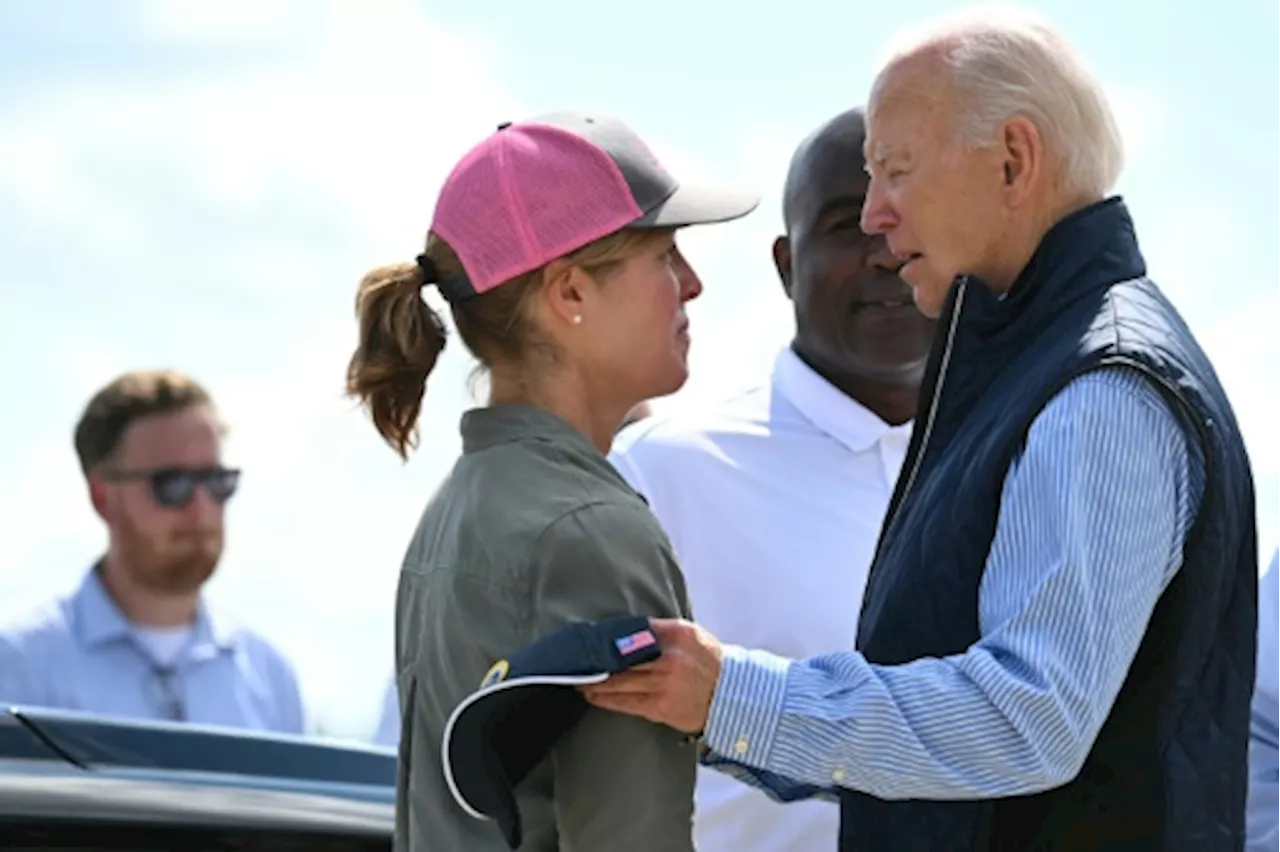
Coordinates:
[1092,523]
[79,652]
[1264,736]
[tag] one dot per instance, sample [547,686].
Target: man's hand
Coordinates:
[676,688]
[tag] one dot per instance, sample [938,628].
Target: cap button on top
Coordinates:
[504,125]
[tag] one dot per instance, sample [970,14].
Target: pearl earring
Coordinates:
[577,319]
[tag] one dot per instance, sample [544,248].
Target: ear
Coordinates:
[566,290]
[782,262]
[98,497]
[1023,159]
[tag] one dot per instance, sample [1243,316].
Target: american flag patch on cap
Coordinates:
[635,642]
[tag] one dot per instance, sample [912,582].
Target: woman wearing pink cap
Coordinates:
[553,242]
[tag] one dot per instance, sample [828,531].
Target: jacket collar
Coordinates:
[1082,254]
[509,422]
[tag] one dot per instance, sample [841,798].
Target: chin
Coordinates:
[930,300]
[671,382]
[929,309]
[186,574]
[929,290]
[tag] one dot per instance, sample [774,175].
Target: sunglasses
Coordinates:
[175,487]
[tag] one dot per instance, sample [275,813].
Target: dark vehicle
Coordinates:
[73,781]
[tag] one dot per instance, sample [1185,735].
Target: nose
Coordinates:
[690,283]
[878,216]
[203,511]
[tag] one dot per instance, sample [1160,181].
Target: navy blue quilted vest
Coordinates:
[1168,770]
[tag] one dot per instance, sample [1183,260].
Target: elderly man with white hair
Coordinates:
[1056,645]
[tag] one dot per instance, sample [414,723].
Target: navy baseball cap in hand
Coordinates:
[500,732]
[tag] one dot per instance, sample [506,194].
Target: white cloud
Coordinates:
[195,22]
[348,129]
[1243,349]
[1142,114]
[743,317]
[308,163]
[34,162]
[350,107]
[348,121]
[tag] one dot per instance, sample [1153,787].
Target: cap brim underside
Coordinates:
[475,703]
[698,205]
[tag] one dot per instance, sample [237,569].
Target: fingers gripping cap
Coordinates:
[540,189]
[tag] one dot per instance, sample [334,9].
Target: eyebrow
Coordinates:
[840,204]
[880,153]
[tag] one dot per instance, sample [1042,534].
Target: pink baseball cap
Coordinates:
[539,189]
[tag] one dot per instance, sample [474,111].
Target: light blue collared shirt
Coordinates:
[1091,528]
[1264,744]
[80,653]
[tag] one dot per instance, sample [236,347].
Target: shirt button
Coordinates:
[838,776]
[741,746]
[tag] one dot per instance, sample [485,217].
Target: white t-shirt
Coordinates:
[164,644]
[773,500]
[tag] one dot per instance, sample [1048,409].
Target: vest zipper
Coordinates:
[933,402]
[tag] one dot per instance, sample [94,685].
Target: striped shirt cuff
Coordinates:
[747,705]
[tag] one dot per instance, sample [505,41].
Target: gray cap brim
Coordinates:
[698,205]
[648,182]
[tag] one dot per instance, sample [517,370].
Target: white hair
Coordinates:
[1007,62]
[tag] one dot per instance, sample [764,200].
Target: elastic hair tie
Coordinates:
[430,274]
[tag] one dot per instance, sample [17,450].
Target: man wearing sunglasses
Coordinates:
[136,638]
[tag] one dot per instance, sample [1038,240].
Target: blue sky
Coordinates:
[201,184]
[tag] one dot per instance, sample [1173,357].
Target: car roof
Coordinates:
[104,798]
[63,764]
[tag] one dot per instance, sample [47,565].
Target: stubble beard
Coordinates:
[178,567]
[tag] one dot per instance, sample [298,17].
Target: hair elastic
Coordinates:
[430,273]
[454,288]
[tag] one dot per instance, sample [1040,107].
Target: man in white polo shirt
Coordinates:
[773,498]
